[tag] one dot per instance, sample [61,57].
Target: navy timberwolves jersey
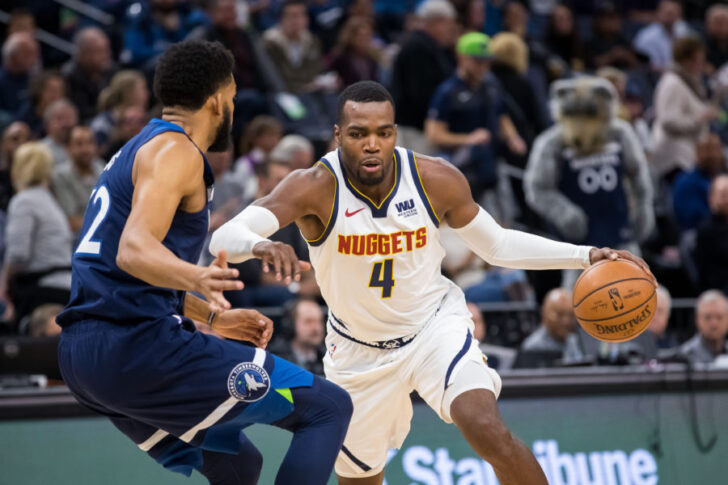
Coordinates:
[595,183]
[102,291]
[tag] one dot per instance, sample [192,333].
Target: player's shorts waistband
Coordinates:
[395,343]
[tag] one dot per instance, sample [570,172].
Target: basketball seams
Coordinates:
[621,314]
[609,284]
[629,337]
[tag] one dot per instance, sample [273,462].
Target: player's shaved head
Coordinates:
[362,92]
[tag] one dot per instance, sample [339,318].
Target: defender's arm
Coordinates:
[166,172]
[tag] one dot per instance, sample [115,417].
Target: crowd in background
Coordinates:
[494,86]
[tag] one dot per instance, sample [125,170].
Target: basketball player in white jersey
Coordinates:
[370,212]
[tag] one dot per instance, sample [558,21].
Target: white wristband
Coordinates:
[239,235]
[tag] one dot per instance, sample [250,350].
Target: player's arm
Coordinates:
[304,197]
[236,324]
[450,194]
[167,172]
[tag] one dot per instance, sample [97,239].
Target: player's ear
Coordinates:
[216,103]
[337,131]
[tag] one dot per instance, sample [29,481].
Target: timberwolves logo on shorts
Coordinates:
[248,382]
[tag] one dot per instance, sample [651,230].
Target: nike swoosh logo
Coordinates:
[349,214]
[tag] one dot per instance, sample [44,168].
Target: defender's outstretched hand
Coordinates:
[599,254]
[215,279]
[242,324]
[283,259]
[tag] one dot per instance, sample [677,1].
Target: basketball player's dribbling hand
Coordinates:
[599,254]
[283,258]
[244,324]
[215,279]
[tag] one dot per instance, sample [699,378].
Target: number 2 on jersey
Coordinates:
[87,244]
[382,277]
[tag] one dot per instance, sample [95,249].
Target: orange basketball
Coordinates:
[614,301]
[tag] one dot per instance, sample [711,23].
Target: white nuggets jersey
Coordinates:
[378,266]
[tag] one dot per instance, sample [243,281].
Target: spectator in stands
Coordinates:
[14,135]
[525,109]
[127,88]
[264,13]
[470,15]
[563,40]
[716,28]
[131,121]
[587,175]
[20,20]
[224,29]
[466,118]
[658,325]
[608,46]
[295,151]
[354,58]
[690,191]
[59,119]
[228,199]
[711,321]
[37,267]
[45,88]
[74,181]
[90,70]
[294,50]
[306,347]
[155,25]
[656,40]
[260,137]
[498,357]
[424,62]
[557,323]
[43,321]
[20,59]
[711,248]
[682,112]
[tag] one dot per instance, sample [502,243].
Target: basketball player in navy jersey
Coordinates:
[129,349]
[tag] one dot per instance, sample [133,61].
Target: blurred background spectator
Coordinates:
[59,119]
[14,135]
[305,344]
[45,88]
[712,240]
[682,111]
[656,39]
[711,322]
[37,267]
[74,181]
[548,343]
[89,71]
[423,63]
[42,322]
[126,88]
[20,60]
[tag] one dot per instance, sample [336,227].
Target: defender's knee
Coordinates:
[338,405]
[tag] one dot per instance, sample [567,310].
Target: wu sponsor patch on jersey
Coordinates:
[406,208]
[248,382]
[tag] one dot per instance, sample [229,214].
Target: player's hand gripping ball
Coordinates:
[614,301]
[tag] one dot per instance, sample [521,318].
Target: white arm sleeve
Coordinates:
[516,249]
[240,234]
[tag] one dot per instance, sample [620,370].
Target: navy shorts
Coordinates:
[174,390]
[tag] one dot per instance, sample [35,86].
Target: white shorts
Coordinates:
[380,382]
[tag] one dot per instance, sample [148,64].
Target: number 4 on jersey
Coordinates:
[382,277]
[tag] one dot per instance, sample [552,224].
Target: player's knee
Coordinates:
[250,457]
[338,405]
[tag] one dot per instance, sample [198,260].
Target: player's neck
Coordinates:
[196,128]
